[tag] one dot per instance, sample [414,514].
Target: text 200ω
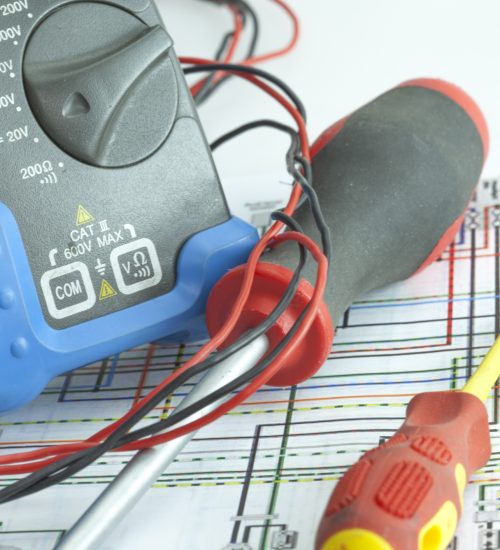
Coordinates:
[36,170]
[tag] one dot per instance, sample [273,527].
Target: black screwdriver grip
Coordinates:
[394,180]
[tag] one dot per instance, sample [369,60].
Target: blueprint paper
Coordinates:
[259,479]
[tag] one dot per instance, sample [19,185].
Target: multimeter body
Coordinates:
[113,223]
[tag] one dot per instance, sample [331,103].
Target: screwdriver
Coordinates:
[407,494]
[394,179]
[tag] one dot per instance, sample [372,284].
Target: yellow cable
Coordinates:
[486,375]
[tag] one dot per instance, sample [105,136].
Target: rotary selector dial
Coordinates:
[101,83]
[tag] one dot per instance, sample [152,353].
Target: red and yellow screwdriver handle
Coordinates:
[407,493]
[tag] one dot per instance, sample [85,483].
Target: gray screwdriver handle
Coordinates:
[394,180]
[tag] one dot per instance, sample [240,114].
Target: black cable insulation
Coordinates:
[247,12]
[233,68]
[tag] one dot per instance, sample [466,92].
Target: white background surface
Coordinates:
[350,51]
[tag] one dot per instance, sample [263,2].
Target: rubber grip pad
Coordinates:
[398,488]
[397,175]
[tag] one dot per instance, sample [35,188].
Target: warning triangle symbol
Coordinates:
[83,216]
[107,291]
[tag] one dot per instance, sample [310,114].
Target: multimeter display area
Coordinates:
[105,168]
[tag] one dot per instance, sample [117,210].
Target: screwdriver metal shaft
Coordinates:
[146,467]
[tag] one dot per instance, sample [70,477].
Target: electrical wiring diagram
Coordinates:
[260,478]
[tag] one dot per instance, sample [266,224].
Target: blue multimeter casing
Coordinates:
[113,223]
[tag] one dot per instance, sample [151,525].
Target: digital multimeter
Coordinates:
[113,223]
